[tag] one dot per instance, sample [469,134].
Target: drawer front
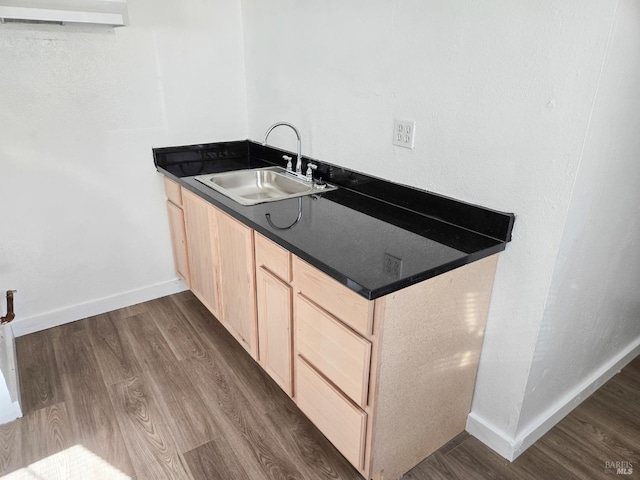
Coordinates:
[273,257]
[333,349]
[173,191]
[345,304]
[339,420]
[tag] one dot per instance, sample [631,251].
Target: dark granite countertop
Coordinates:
[357,234]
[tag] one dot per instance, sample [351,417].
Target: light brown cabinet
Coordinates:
[237,270]
[333,352]
[387,381]
[202,247]
[210,245]
[274,311]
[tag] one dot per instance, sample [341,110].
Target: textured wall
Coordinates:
[593,308]
[83,222]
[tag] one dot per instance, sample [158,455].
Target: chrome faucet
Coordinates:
[299,158]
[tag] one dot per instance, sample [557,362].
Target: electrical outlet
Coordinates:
[392,266]
[404,132]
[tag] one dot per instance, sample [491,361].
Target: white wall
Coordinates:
[502,93]
[84,228]
[591,323]
[520,106]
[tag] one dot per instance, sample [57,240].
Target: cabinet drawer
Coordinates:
[339,420]
[273,257]
[173,191]
[333,349]
[345,304]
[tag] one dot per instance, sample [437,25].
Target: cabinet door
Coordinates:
[178,241]
[202,248]
[237,268]
[274,327]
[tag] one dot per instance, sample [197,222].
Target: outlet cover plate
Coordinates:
[404,133]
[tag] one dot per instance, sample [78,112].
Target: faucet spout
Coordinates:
[299,155]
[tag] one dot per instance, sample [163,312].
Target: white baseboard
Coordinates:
[510,448]
[490,435]
[95,307]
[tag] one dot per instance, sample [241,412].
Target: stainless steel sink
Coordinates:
[250,187]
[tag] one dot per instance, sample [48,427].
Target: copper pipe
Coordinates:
[10,315]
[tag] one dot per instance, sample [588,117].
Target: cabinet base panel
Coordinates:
[430,336]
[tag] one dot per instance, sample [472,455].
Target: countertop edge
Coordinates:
[367,293]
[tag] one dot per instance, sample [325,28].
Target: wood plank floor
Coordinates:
[160,390]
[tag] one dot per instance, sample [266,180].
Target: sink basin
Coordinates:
[270,184]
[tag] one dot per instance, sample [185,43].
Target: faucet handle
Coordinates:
[289,165]
[310,168]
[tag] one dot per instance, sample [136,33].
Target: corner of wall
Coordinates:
[244,68]
[512,447]
[491,436]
